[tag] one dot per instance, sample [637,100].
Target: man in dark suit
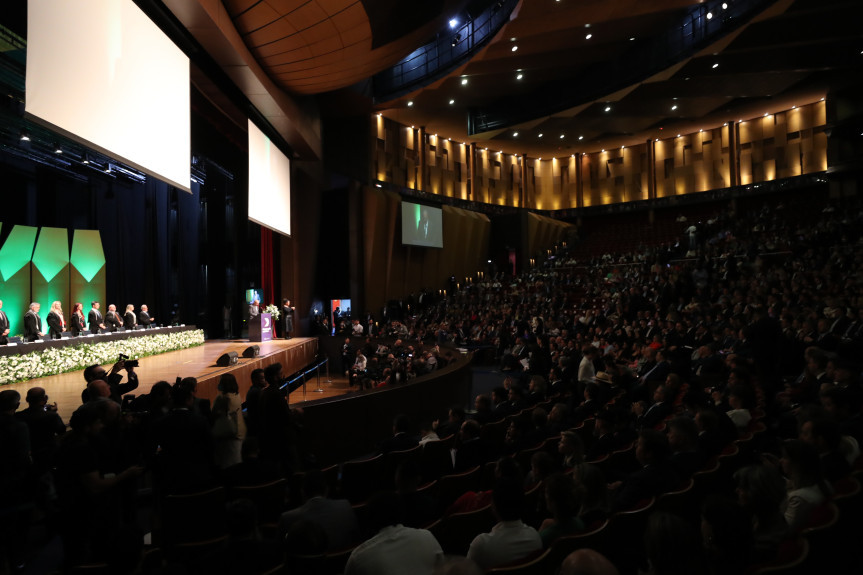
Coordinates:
[112,318]
[144,316]
[94,318]
[401,439]
[655,476]
[33,323]
[4,326]
[650,417]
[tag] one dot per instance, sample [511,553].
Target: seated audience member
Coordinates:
[726,533]
[571,449]
[741,400]
[419,508]
[483,410]
[590,405]
[510,539]
[593,494]
[245,550]
[562,501]
[587,562]
[427,433]
[605,440]
[401,439]
[473,500]
[558,419]
[823,434]
[395,549]
[685,457]
[472,450]
[761,493]
[806,486]
[650,417]
[655,476]
[452,425]
[335,516]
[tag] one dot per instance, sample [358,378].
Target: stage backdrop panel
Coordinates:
[15,275]
[50,275]
[87,269]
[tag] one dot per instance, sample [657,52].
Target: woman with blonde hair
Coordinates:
[130,320]
[56,323]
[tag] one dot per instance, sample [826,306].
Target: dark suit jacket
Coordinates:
[113,321]
[144,318]
[32,326]
[4,325]
[655,414]
[77,324]
[94,319]
[55,325]
[399,442]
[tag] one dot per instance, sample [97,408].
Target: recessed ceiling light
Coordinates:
[674,107]
[379,114]
[540,135]
[581,137]
[451,102]
[715,65]
[725,124]
[602,150]
[515,134]
[822,99]
[512,39]
[678,135]
[58,149]
[588,37]
[514,48]
[519,77]
[464,81]
[539,159]
[561,136]
[794,107]
[766,114]
[657,139]
[632,39]
[453,23]
[725,6]
[587,25]
[710,15]
[608,108]
[622,147]
[411,103]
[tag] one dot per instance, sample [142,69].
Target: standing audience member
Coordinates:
[229,427]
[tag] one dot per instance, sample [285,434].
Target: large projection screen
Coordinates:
[102,73]
[269,183]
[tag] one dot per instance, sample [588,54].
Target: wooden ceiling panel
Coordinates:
[307,15]
[322,37]
[275,32]
[335,7]
[257,17]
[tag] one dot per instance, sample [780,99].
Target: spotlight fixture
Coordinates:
[515,134]
[456,39]
[85,160]
[710,15]
[581,137]
[58,149]
[464,81]
[715,65]
[608,108]
[410,103]
[632,39]
[561,136]
[25,136]
[519,77]
[451,102]
[588,37]
[674,107]
[453,23]
[514,48]
[540,135]
[725,5]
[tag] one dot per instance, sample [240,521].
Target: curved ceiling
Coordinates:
[315,46]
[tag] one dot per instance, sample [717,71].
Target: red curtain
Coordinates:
[267,281]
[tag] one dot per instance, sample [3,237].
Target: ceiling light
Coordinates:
[451,102]
[725,124]
[572,156]
[512,39]
[602,150]
[674,107]
[539,159]
[515,134]
[622,147]
[411,103]
[632,39]
[455,40]
[794,107]
[725,6]
[587,25]
[379,114]
[540,135]
[588,37]
[766,114]
[581,137]
[657,139]
[710,15]
[822,99]
[85,159]
[25,136]
[678,135]
[715,65]
[453,23]
[608,108]
[519,77]
[514,48]
[561,136]
[464,81]
[58,149]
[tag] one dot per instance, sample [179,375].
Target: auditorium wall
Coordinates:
[779,145]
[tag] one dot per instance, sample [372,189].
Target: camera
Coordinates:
[129,362]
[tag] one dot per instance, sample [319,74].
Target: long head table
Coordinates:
[23,348]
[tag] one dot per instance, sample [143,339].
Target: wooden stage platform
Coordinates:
[200,362]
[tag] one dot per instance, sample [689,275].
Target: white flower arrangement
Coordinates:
[273,310]
[52,361]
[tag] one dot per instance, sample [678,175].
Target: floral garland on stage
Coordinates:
[52,361]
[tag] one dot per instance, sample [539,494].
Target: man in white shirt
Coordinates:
[396,549]
[509,540]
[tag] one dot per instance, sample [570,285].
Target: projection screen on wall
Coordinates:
[269,183]
[101,72]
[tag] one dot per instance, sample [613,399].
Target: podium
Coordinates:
[261,327]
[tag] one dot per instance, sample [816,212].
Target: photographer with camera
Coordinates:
[113,379]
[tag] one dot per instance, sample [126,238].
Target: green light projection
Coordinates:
[51,261]
[87,255]
[16,252]
[15,275]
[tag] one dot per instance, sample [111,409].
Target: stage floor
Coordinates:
[200,362]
